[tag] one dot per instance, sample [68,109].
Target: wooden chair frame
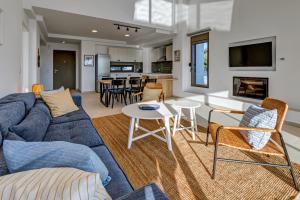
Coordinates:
[273,131]
[152,86]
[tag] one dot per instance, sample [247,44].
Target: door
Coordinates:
[64,69]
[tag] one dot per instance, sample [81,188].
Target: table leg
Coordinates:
[106,96]
[131,130]
[175,125]
[195,118]
[137,122]
[179,117]
[192,122]
[168,133]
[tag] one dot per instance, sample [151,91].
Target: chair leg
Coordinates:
[207,131]
[289,163]
[216,153]
[113,101]
[124,99]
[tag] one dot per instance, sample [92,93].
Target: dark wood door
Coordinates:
[64,69]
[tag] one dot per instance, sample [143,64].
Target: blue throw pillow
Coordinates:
[10,115]
[23,156]
[34,126]
[258,117]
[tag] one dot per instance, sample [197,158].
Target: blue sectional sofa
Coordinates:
[75,127]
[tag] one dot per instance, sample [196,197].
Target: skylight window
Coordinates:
[158,12]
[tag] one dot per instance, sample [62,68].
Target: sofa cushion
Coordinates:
[79,132]
[23,156]
[70,117]
[43,107]
[258,117]
[34,126]
[10,115]
[119,185]
[27,98]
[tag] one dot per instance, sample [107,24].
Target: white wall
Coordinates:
[11,50]
[47,62]
[241,20]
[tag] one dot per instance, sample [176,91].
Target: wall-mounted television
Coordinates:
[259,54]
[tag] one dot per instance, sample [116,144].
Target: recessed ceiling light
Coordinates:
[63,42]
[127,35]
[94,31]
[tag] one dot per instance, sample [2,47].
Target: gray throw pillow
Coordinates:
[23,156]
[258,117]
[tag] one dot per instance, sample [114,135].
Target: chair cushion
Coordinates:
[119,185]
[23,156]
[80,132]
[10,115]
[151,94]
[258,117]
[70,117]
[34,126]
[27,98]
[66,183]
[60,103]
[232,138]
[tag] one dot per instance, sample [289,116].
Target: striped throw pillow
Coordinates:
[258,117]
[52,183]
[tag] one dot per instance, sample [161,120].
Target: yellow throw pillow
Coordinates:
[151,94]
[53,183]
[60,103]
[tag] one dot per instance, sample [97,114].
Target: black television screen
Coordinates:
[252,55]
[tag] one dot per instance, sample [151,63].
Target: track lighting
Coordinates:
[119,26]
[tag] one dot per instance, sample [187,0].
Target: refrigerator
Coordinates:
[102,69]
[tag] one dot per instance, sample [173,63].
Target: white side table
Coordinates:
[191,106]
[165,112]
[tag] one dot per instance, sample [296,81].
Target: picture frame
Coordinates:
[177,55]
[89,61]
[1,27]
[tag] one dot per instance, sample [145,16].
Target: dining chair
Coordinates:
[135,87]
[117,91]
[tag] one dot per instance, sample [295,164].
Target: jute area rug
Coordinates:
[185,173]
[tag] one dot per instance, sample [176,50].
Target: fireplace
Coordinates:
[251,87]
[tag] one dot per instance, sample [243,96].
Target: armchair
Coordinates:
[230,136]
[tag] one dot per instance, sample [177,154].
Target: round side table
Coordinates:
[191,106]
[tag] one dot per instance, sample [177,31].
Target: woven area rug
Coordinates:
[185,173]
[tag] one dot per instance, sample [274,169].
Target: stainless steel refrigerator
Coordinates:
[102,69]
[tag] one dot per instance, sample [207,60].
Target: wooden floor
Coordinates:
[185,172]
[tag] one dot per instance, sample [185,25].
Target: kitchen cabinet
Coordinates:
[118,54]
[169,53]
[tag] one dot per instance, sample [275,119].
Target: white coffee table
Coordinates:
[165,112]
[191,106]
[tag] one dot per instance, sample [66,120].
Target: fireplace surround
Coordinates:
[251,87]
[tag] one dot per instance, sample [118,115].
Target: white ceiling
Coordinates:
[63,23]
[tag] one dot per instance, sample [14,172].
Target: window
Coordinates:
[157,12]
[200,60]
